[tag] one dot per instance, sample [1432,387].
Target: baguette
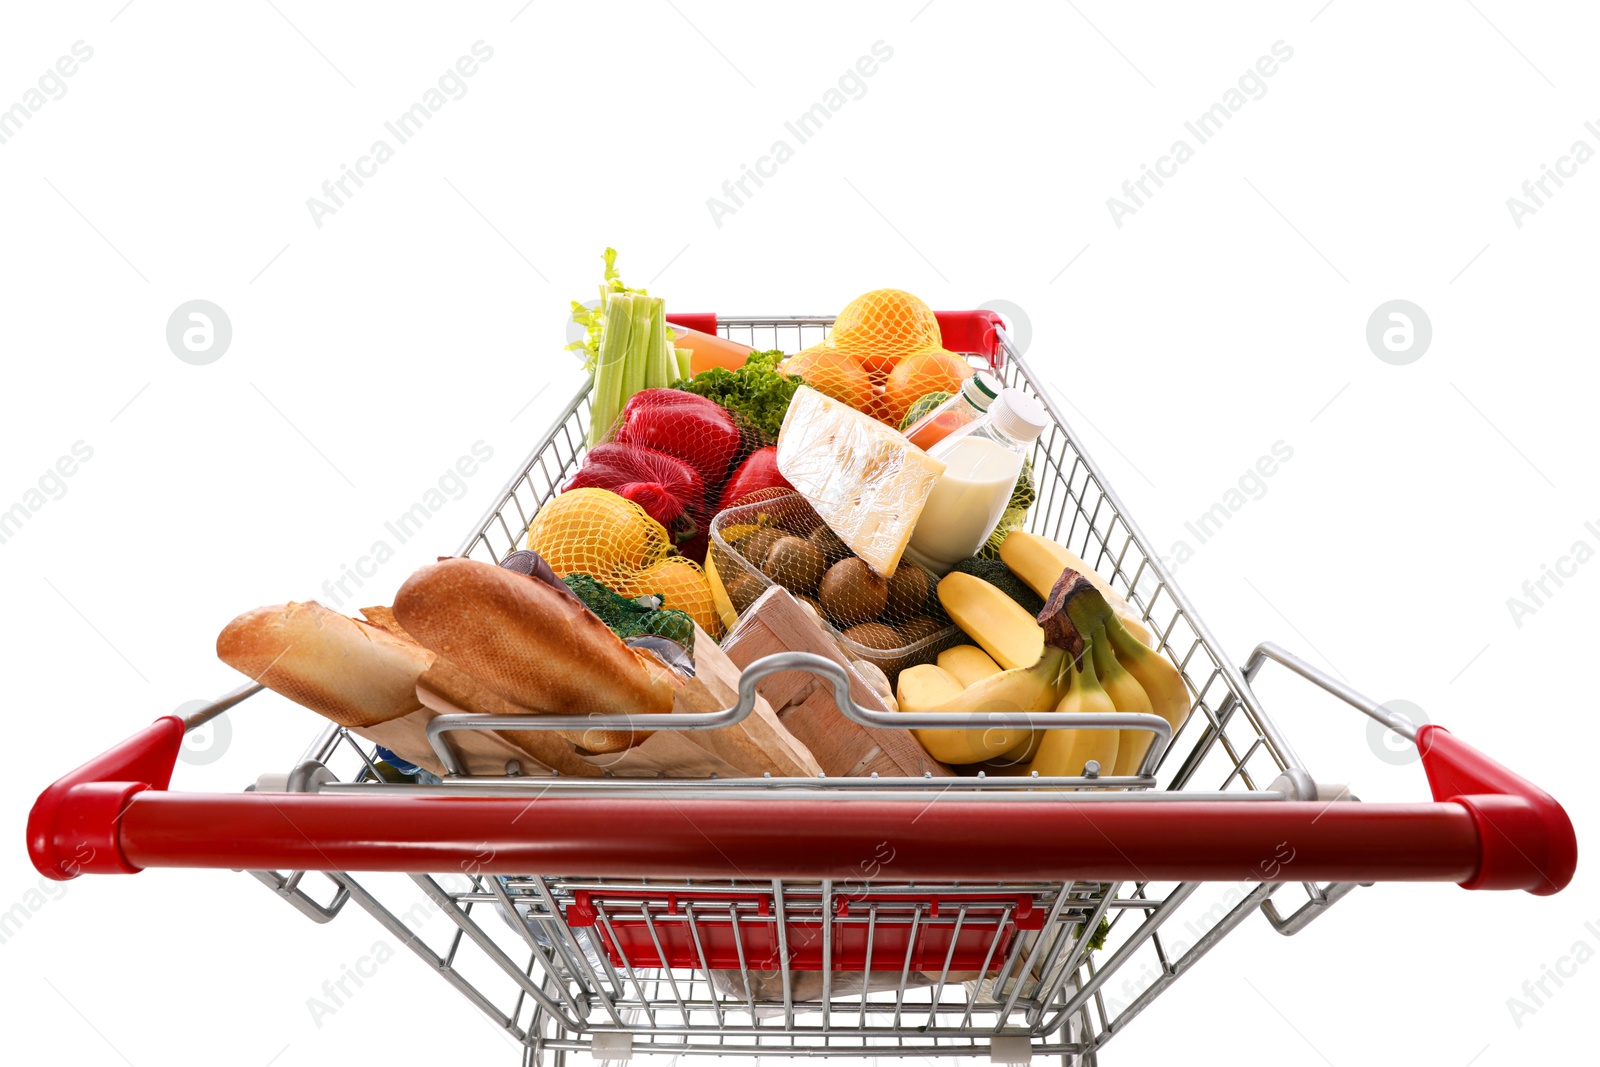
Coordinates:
[452,688]
[533,646]
[355,674]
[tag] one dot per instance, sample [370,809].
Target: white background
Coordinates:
[428,313]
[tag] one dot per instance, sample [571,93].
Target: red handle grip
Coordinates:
[1490,829]
[72,827]
[971,331]
[1525,840]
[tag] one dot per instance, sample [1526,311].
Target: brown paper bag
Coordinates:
[447,688]
[759,745]
[482,752]
[776,622]
[664,754]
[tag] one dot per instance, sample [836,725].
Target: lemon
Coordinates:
[596,532]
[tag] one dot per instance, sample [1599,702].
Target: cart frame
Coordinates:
[892,917]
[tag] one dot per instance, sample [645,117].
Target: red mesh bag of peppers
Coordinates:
[686,452]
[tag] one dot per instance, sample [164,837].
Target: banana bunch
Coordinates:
[1039,561]
[1086,653]
[1009,669]
[1111,669]
[1066,752]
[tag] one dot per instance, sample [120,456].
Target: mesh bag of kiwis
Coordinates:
[893,622]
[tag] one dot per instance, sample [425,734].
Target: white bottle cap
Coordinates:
[981,389]
[1018,415]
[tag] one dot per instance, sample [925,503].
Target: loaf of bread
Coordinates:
[355,674]
[538,649]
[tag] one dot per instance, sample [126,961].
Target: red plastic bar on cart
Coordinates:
[705,322]
[961,331]
[1489,829]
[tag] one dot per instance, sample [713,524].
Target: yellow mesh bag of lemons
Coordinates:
[613,540]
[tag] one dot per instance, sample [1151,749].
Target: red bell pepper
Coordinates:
[669,489]
[692,428]
[759,471]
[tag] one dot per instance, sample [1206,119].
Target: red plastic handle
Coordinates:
[73,825]
[1490,829]
[705,322]
[1525,839]
[971,331]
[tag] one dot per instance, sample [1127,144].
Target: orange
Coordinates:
[878,364]
[878,408]
[831,372]
[681,585]
[881,327]
[916,376]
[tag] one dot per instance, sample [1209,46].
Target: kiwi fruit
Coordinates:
[828,541]
[874,635]
[915,629]
[908,591]
[795,563]
[754,546]
[744,590]
[852,593]
[815,607]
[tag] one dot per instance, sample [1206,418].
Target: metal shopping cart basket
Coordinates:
[1002,917]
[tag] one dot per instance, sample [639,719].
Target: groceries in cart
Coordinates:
[862,500]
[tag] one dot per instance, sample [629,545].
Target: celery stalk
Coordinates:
[666,362]
[640,344]
[606,396]
[685,366]
[653,370]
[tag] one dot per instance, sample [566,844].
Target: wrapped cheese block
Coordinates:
[865,480]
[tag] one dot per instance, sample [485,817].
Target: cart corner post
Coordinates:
[72,827]
[1525,838]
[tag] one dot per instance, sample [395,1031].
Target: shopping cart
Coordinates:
[996,917]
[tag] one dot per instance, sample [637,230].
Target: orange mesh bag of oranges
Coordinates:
[614,541]
[884,354]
